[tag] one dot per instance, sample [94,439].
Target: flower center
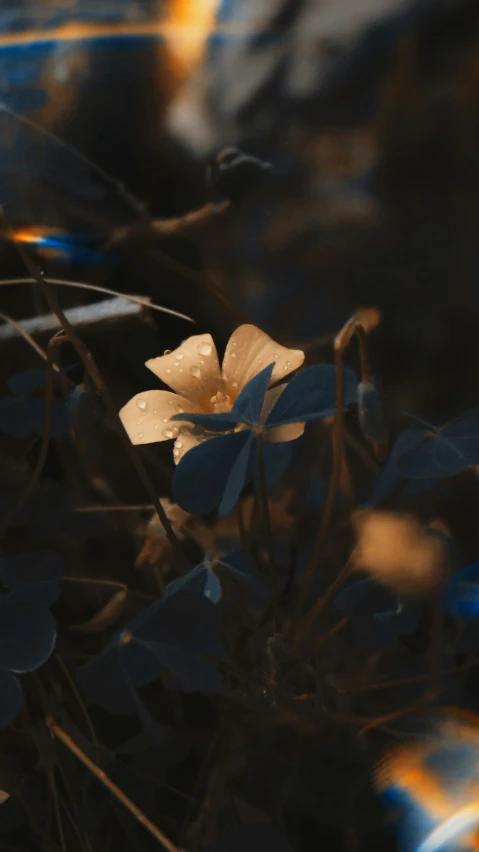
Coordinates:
[220,402]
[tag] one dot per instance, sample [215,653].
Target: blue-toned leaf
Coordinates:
[201,580]
[186,620]
[60,421]
[27,382]
[249,403]
[15,417]
[277,456]
[202,474]
[311,395]
[33,576]
[191,672]
[239,475]
[11,698]
[254,836]
[444,453]
[27,635]
[461,594]
[105,680]
[377,615]
[370,414]
[240,564]
[389,478]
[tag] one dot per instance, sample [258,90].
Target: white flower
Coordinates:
[201,387]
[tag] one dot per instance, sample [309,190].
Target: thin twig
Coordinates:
[78,698]
[56,806]
[145,507]
[97,378]
[80,285]
[170,227]
[268,532]
[31,342]
[103,778]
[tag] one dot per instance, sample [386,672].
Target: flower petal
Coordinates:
[146,417]
[278,434]
[249,350]
[192,369]
[288,432]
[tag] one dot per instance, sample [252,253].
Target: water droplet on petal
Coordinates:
[165,420]
[234,384]
[167,352]
[287,365]
[179,356]
[180,370]
[178,445]
[195,372]
[141,403]
[179,409]
[155,411]
[233,354]
[201,361]
[205,349]
[168,370]
[177,363]
[275,355]
[156,426]
[141,434]
[169,433]
[260,360]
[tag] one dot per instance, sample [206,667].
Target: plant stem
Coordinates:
[101,775]
[338,445]
[268,533]
[363,352]
[97,378]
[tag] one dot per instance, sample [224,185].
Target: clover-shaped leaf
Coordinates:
[164,641]
[370,415]
[27,635]
[201,580]
[311,395]
[442,452]
[33,576]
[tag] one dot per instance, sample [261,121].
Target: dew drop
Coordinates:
[155,411]
[287,365]
[275,355]
[233,354]
[177,363]
[234,384]
[156,426]
[195,372]
[179,409]
[180,370]
[205,349]
[169,433]
[201,361]
[165,420]
[178,445]
[168,370]
[141,404]
[179,356]
[141,434]
[260,360]
[167,352]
